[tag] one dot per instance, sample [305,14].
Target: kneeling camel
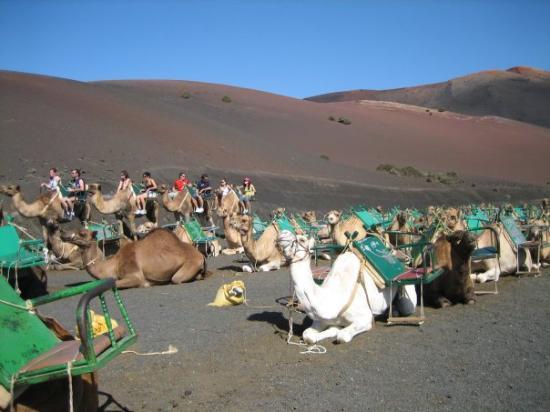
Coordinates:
[160,257]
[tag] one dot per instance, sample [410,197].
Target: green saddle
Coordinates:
[513,230]
[284,224]
[367,218]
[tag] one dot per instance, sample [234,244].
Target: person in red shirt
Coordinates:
[180,183]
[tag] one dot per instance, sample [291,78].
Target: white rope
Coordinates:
[71,406]
[29,307]
[312,349]
[171,350]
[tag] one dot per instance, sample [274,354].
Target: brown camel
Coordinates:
[401,224]
[47,206]
[263,253]
[67,254]
[160,257]
[123,205]
[181,204]
[454,285]
[228,210]
[338,228]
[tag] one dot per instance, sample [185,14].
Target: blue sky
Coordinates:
[295,48]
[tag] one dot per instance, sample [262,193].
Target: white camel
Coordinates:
[486,270]
[347,301]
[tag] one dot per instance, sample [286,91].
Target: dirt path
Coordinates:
[493,355]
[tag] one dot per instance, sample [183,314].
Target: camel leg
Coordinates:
[186,273]
[132,223]
[269,266]
[134,279]
[491,274]
[312,335]
[346,334]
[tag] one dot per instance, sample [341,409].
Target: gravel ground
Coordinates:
[493,355]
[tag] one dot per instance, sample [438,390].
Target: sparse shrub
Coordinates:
[391,169]
[429,179]
[331,118]
[185,95]
[441,110]
[226,99]
[495,190]
[427,110]
[410,171]
[473,185]
[344,120]
[452,174]
[324,157]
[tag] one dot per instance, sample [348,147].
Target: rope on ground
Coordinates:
[171,350]
[313,349]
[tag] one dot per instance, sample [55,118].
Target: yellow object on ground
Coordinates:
[99,326]
[230,294]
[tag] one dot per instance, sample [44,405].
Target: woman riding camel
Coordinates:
[54,185]
[149,191]
[247,193]
[54,182]
[125,181]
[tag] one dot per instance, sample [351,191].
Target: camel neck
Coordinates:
[304,285]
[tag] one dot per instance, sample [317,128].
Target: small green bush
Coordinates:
[344,120]
[324,157]
[226,99]
[185,95]
[411,172]
[331,118]
[441,110]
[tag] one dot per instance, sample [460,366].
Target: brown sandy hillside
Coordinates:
[103,127]
[519,93]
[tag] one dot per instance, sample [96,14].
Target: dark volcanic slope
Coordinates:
[520,93]
[137,125]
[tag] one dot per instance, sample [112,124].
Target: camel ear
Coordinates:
[94,235]
[18,188]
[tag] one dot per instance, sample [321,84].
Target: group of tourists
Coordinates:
[73,191]
[200,191]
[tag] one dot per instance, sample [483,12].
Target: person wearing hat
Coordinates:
[247,193]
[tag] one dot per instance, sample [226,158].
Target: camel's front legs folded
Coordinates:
[314,334]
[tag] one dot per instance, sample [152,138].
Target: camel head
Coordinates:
[402,218]
[310,216]
[84,238]
[10,190]
[52,226]
[242,223]
[277,213]
[294,247]
[462,242]
[94,188]
[536,230]
[162,189]
[333,217]
[451,217]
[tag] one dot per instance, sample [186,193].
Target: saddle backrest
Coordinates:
[513,230]
[24,335]
[380,258]
[9,243]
